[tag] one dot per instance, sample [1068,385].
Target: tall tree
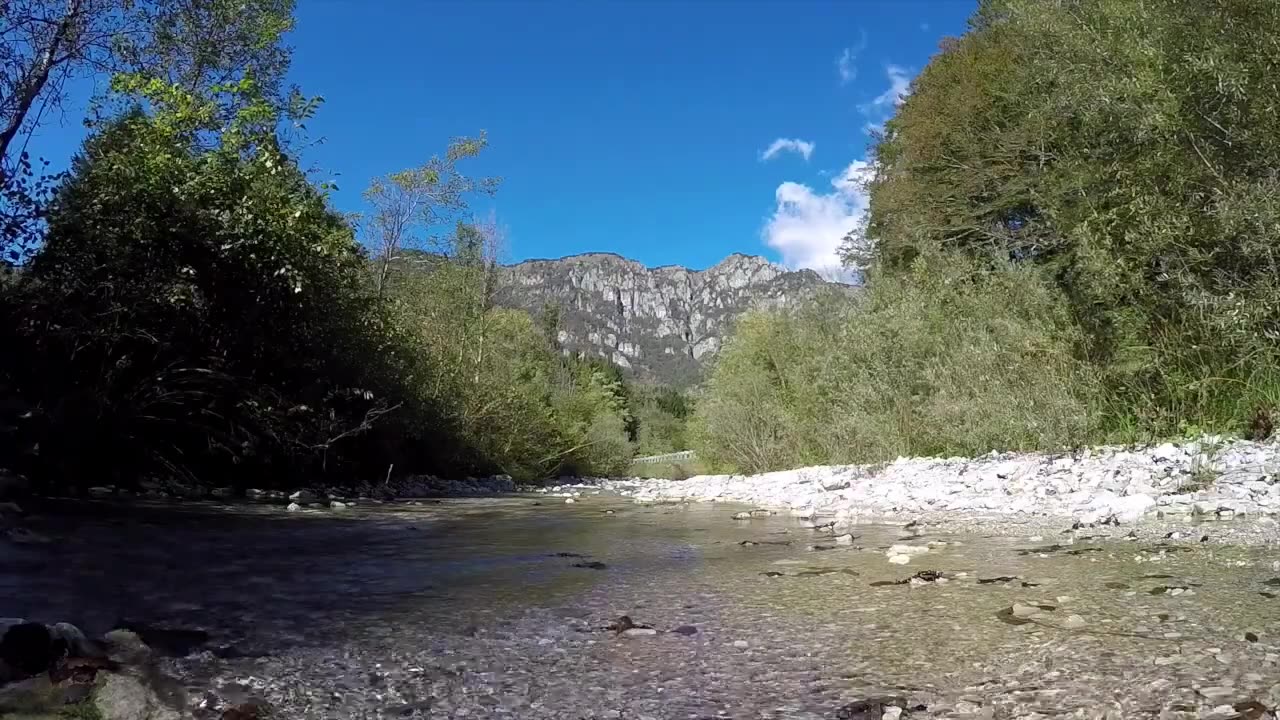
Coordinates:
[192,44]
[408,206]
[206,49]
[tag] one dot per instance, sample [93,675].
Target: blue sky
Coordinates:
[639,127]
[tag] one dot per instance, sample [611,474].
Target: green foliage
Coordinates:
[1127,152]
[660,420]
[950,359]
[195,308]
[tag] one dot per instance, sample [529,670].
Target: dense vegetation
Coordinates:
[185,304]
[1072,238]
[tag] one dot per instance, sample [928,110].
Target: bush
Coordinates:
[948,359]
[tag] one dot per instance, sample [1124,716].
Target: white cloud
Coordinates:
[808,227]
[882,107]
[846,64]
[803,147]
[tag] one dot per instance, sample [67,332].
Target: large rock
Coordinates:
[125,697]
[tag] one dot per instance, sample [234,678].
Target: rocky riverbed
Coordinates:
[1211,478]
[513,607]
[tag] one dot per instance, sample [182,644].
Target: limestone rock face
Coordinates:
[661,323]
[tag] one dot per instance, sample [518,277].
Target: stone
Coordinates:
[74,640]
[1220,712]
[1025,611]
[875,708]
[685,630]
[124,697]
[907,550]
[966,707]
[303,497]
[569,501]
[23,536]
[804,513]
[639,631]
[846,539]
[900,559]
[100,492]
[741,644]
[33,697]
[336,505]
[1075,622]
[10,508]
[293,507]
[12,484]
[742,516]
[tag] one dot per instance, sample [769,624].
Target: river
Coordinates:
[491,608]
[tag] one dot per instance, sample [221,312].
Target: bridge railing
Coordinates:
[669,457]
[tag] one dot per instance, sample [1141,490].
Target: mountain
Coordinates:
[662,324]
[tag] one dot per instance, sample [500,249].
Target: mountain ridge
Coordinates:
[662,324]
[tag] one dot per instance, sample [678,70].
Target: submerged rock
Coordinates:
[876,708]
[124,646]
[174,642]
[23,536]
[907,550]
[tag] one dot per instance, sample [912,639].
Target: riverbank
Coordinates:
[1171,484]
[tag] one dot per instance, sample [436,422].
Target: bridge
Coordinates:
[668,458]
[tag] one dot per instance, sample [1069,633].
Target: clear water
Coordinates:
[463,609]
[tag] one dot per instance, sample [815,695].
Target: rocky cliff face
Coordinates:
[661,323]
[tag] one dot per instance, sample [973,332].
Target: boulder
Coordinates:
[124,697]
[303,497]
[125,646]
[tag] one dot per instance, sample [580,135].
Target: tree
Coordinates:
[409,205]
[191,44]
[205,48]
[195,309]
[1127,151]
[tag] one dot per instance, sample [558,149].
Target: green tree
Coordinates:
[408,206]
[195,309]
[1127,151]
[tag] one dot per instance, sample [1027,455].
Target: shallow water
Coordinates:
[463,609]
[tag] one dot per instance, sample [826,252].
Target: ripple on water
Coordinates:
[478,612]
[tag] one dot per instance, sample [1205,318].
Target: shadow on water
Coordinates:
[254,572]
